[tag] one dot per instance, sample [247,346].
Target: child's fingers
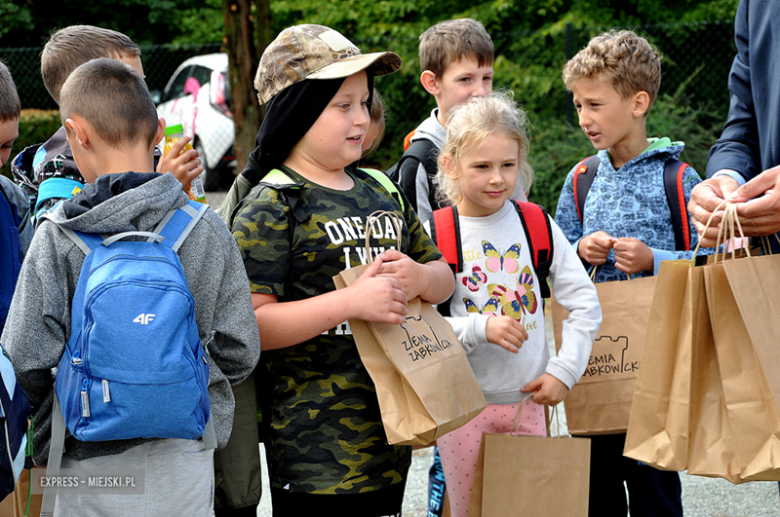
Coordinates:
[373,269]
[392,255]
[517,333]
[506,344]
[178,145]
[532,386]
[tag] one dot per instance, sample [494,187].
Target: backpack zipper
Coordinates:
[106,392]
[85,398]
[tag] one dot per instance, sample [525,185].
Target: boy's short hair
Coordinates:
[75,45]
[629,59]
[114,99]
[470,124]
[10,107]
[452,40]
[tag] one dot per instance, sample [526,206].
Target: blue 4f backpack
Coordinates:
[134,366]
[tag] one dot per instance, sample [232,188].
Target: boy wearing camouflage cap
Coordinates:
[300,226]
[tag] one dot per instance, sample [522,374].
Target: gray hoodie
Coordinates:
[38,324]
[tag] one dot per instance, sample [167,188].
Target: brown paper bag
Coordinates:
[600,402]
[424,381]
[657,431]
[711,449]
[744,300]
[531,475]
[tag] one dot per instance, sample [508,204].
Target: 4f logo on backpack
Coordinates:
[122,377]
[144,319]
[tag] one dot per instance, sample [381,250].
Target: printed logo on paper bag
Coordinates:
[610,358]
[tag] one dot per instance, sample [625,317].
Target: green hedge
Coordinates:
[35,126]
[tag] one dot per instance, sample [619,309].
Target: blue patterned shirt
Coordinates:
[629,202]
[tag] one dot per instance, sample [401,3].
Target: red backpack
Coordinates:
[445,232]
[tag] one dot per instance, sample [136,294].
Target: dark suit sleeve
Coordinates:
[738,146]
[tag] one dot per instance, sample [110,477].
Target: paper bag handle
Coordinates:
[373,218]
[521,405]
[706,227]
[730,229]
[593,275]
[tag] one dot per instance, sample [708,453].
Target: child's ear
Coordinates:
[641,104]
[428,80]
[79,129]
[160,130]
[448,164]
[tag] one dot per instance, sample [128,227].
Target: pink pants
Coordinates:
[459,449]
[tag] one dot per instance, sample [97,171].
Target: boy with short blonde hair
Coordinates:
[456,57]
[112,126]
[36,165]
[630,61]
[624,225]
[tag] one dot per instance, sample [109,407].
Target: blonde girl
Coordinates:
[497,309]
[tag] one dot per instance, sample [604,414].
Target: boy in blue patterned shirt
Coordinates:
[625,227]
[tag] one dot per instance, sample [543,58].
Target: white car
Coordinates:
[198,97]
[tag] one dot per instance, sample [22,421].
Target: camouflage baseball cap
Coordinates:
[314,52]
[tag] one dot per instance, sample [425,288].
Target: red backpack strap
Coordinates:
[540,241]
[584,175]
[674,171]
[445,232]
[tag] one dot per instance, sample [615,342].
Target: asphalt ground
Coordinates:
[702,497]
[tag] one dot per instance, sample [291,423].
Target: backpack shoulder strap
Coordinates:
[675,195]
[421,151]
[540,241]
[85,241]
[584,175]
[388,185]
[178,223]
[445,232]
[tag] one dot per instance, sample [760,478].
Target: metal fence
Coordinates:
[159,61]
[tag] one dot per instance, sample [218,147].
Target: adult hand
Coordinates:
[705,199]
[595,247]
[759,216]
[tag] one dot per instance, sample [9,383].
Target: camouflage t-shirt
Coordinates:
[326,433]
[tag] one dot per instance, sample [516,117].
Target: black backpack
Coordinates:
[405,171]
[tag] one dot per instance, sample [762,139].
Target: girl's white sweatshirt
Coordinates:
[498,278]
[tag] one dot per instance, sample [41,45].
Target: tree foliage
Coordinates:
[530,38]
